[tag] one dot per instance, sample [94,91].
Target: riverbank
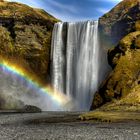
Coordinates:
[24,127]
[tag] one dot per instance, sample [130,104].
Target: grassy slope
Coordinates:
[15,9]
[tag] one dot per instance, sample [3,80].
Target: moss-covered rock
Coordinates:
[124,59]
[25,33]
[6,44]
[128,43]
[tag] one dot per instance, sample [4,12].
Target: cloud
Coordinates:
[113,0]
[62,6]
[61,10]
[102,10]
[64,11]
[32,3]
[116,1]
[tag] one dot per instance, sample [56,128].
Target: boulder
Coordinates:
[30,109]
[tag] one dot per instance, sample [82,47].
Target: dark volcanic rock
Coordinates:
[30,109]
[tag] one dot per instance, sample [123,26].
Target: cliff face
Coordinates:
[122,25]
[25,35]
[120,21]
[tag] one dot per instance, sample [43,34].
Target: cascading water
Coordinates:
[75,56]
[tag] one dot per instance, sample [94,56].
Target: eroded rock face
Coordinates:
[120,21]
[124,59]
[25,34]
[25,40]
[122,25]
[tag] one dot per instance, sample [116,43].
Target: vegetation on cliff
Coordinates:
[121,90]
[120,21]
[119,97]
[25,39]
[25,33]
[125,77]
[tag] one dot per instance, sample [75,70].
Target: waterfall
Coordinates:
[75,56]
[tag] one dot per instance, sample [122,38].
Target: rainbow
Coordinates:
[16,70]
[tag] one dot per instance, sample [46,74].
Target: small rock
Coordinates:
[30,109]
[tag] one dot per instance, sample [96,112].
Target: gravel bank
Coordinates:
[16,126]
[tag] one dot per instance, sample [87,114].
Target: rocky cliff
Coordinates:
[25,36]
[121,26]
[25,39]
[120,21]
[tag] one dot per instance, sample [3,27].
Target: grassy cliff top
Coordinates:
[18,10]
[121,9]
[120,21]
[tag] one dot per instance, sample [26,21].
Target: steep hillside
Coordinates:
[120,21]
[25,34]
[124,80]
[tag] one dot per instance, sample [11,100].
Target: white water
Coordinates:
[75,61]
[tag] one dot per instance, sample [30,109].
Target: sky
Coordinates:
[73,10]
